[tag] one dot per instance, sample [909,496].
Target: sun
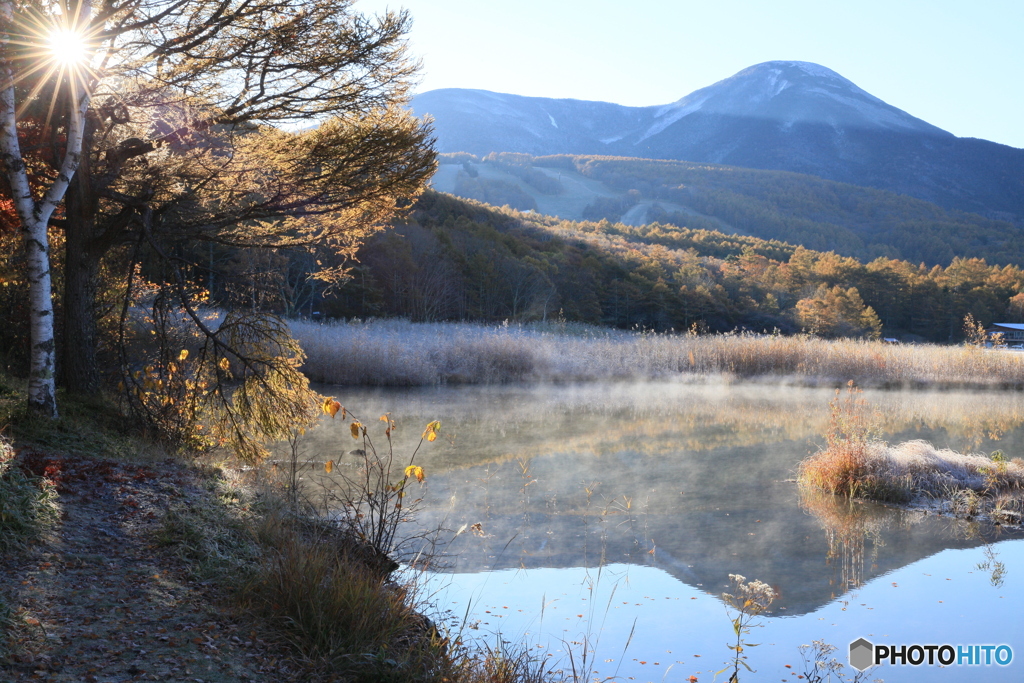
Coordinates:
[68,47]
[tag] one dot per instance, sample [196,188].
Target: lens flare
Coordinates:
[68,47]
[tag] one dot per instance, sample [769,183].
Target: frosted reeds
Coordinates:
[398,352]
[922,468]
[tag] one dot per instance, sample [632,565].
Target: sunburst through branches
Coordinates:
[51,49]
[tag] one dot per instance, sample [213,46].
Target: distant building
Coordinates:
[1013,333]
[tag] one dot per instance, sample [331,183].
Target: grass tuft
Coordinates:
[28,504]
[341,616]
[842,466]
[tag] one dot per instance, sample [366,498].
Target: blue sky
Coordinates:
[957,65]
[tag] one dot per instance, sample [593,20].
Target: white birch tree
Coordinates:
[35,208]
[175,128]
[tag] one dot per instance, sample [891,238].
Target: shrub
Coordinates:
[842,466]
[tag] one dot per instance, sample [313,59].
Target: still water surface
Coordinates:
[614,513]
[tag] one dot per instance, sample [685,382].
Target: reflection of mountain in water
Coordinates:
[704,514]
[696,472]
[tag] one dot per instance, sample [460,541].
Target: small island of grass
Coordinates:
[914,473]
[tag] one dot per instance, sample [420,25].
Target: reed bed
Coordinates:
[398,352]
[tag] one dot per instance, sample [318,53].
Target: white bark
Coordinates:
[35,216]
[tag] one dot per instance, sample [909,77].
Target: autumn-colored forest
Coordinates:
[460,260]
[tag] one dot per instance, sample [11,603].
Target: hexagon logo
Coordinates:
[862,654]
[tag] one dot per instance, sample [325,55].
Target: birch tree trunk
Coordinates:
[34,215]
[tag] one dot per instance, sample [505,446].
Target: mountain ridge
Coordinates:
[782,115]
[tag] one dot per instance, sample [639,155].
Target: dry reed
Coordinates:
[401,353]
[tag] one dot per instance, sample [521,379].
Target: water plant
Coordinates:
[821,667]
[749,599]
[995,568]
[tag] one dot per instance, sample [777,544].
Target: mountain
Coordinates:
[791,116]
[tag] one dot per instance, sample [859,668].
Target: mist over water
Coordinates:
[635,501]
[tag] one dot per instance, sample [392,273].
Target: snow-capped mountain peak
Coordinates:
[784,115]
[790,92]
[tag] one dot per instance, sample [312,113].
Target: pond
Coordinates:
[613,514]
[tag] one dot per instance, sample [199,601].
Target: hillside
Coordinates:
[822,215]
[461,260]
[789,116]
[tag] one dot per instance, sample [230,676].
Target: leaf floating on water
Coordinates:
[329,466]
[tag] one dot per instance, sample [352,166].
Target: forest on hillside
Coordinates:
[461,260]
[819,214]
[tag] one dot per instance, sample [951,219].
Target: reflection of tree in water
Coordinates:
[854,531]
[849,526]
[963,421]
[995,568]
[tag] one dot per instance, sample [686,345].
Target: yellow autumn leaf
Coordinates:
[331,407]
[430,433]
[384,418]
[328,466]
[183,355]
[225,364]
[355,429]
[415,471]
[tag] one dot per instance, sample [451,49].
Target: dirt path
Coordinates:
[99,600]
